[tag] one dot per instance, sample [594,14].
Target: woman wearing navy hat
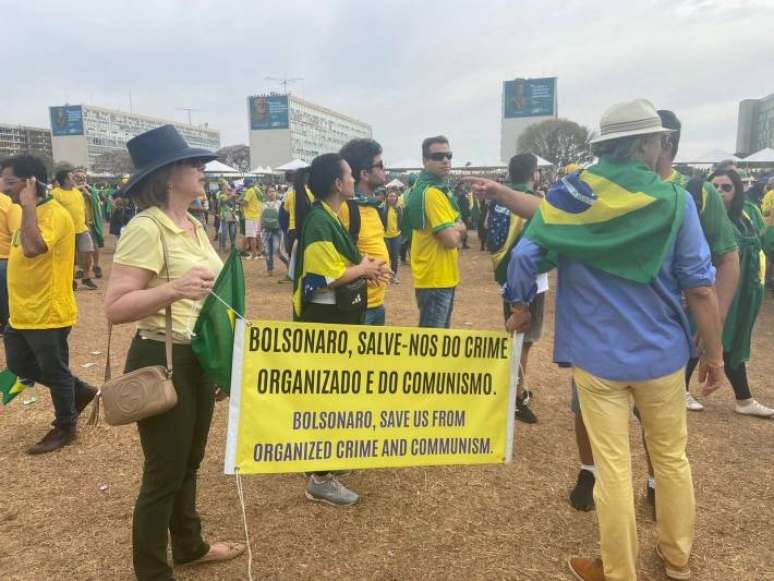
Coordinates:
[168,177]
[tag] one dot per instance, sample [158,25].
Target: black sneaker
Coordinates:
[97,272]
[650,494]
[523,413]
[89,284]
[582,496]
[78,274]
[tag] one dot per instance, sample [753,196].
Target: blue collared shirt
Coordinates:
[614,328]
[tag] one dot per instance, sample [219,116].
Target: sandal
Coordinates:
[232,551]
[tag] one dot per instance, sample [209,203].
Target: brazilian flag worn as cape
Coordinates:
[320,225]
[213,341]
[618,217]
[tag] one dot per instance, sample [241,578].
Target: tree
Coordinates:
[237,156]
[560,141]
[116,163]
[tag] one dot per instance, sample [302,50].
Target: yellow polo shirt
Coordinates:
[10,222]
[432,264]
[253,206]
[393,229]
[40,289]
[290,206]
[72,200]
[140,247]
[370,242]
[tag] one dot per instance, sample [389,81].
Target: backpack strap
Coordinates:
[354,219]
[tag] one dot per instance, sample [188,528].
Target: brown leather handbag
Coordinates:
[141,393]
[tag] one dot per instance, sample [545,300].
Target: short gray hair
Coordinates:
[621,149]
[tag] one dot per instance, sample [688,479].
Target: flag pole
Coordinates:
[517,343]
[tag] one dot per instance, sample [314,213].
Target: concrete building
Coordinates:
[286,127]
[16,139]
[755,127]
[81,133]
[525,102]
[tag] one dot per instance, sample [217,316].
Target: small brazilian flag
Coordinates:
[213,341]
[10,386]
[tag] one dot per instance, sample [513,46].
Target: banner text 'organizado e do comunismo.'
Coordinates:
[308,397]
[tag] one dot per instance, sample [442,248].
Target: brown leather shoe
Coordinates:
[587,569]
[55,439]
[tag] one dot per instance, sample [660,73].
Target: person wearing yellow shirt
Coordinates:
[392,213]
[767,209]
[10,221]
[361,215]
[293,209]
[41,300]
[72,199]
[251,208]
[432,215]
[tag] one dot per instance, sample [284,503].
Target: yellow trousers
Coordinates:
[606,409]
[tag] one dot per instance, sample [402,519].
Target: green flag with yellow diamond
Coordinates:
[10,386]
[213,341]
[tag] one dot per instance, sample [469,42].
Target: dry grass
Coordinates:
[68,515]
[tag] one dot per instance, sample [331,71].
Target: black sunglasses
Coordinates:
[728,188]
[440,155]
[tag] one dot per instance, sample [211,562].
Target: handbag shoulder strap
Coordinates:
[167,314]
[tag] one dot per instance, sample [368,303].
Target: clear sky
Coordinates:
[409,68]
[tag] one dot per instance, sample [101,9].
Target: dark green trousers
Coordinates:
[173,444]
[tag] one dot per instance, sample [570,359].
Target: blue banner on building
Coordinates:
[67,120]
[268,112]
[529,98]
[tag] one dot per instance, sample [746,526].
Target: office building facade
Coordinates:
[755,128]
[286,127]
[82,133]
[16,139]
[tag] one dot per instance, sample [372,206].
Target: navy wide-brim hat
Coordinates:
[157,148]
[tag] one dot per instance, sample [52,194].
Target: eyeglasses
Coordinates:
[440,155]
[379,165]
[728,188]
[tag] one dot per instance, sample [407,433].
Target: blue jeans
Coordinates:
[227,230]
[393,248]
[272,243]
[374,316]
[435,307]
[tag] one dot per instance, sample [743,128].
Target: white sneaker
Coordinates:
[753,408]
[692,404]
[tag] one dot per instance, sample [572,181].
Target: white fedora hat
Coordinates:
[638,117]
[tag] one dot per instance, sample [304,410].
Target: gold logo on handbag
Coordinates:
[144,392]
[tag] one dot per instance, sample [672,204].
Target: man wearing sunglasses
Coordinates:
[433,217]
[362,218]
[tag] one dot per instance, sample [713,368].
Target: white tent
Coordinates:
[765,155]
[543,162]
[712,157]
[262,171]
[217,168]
[396,183]
[292,165]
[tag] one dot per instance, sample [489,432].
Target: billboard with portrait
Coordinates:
[529,98]
[268,112]
[66,120]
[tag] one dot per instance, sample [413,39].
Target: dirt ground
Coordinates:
[67,515]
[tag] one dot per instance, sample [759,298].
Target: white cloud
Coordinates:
[409,68]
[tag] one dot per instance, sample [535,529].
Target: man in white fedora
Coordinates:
[628,248]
